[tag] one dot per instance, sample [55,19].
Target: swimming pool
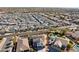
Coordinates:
[76,47]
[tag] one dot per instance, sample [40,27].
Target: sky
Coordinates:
[39,3]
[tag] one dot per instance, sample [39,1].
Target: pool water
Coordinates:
[76,47]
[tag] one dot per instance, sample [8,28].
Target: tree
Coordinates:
[1,38]
[69,46]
